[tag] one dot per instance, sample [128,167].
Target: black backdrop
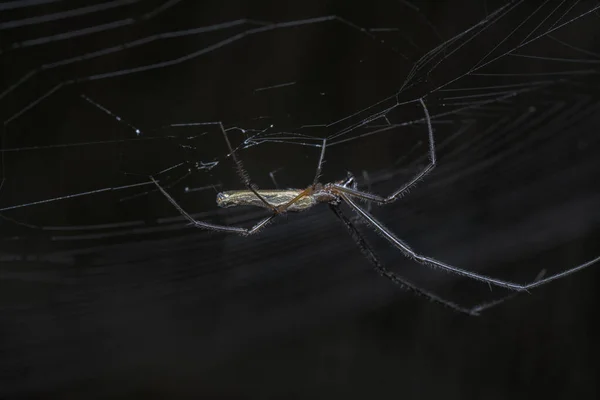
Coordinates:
[158,310]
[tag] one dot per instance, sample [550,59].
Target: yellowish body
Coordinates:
[276,198]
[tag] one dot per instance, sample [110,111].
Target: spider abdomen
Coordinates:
[276,198]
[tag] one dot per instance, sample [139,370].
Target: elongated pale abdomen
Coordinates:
[277,198]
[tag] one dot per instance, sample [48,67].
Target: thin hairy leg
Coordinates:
[410,253]
[243,174]
[308,191]
[213,227]
[251,187]
[320,164]
[405,284]
[405,187]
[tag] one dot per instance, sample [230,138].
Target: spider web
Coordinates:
[97,97]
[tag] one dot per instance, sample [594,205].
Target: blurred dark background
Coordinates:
[109,294]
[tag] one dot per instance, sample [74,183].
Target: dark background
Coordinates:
[111,294]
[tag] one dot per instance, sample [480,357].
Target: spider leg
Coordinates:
[309,190]
[350,180]
[403,283]
[405,187]
[243,174]
[320,164]
[354,184]
[272,176]
[410,253]
[213,227]
[485,306]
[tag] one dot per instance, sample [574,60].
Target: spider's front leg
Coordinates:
[369,254]
[398,193]
[429,261]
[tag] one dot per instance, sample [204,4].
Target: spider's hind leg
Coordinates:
[243,174]
[210,226]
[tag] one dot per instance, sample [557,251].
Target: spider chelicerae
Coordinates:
[346,191]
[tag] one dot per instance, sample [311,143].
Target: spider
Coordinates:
[345,191]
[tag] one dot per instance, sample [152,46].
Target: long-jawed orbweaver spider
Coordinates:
[282,201]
